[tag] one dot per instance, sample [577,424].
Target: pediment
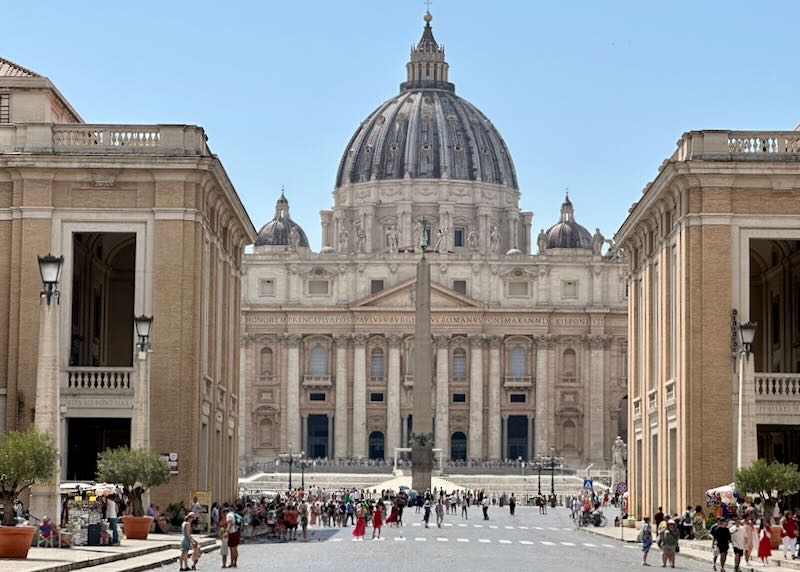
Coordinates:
[402,296]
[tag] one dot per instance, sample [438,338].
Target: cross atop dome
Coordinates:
[427,67]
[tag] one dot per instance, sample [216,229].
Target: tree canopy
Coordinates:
[25,458]
[135,469]
[770,481]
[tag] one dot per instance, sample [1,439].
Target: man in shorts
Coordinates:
[739,541]
[722,538]
[234,535]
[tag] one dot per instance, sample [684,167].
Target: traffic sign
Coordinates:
[622,487]
[587,484]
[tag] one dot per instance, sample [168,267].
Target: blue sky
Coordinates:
[588,95]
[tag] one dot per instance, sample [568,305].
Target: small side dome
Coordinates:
[567,233]
[282,230]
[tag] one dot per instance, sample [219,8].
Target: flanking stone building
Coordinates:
[148,223]
[530,349]
[712,243]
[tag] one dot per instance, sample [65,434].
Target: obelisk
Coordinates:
[422,422]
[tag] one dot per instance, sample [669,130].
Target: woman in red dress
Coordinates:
[377,519]
[764,547]
[361,523]
[393,516]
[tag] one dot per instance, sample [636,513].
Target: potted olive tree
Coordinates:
[25,458]
[771,482]
[136,470]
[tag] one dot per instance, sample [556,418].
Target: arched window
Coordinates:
[376,363]
[266,433]
[318,361]
[518,368]
[458,446]
[459,363]
[568,364]
[569,435]
[376,445]
[265,363]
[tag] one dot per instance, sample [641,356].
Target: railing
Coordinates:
[777,386]
[103,139]
[513,382]
[738,145]
[103,380]
[317,381]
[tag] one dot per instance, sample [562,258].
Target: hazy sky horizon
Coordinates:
[587,97]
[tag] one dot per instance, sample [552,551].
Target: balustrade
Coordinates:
[317,381]
[740,145]
[102,380]
[514,382]
[777,386]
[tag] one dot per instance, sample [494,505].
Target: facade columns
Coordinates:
[495,431]
[293,390]
[339,449]
[331,419]
[543,379]
[748,428]
[404,431]
[531,434]
[442,425]
[393,397]
[596,399]
[304,433]
[360,395]
[475,447]
[505,437]
[140,421]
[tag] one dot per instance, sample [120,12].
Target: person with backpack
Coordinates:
[687,524]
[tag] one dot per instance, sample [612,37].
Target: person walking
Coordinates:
[722,538]
[739,542]
[360,529]
[485,506]
[687,526]
[392,518]
[646,538]
[512,504]
[788,534]
[764,547]
[377,520]
[222,534]
[427,514]
[668,541]
[439,513]
[304,510]
[234,524]
[187,543]
[750,539]
[465,507]
[112,511]
[658,517]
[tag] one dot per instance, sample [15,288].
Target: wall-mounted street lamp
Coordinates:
[747,331]
[143,326]
[50,271]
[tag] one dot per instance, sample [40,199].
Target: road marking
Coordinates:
[553,528]
[509,527]
[335,540]
[505,542]
[447,524]
[525,542]
[399,539]
[419,539]
[417,524]
[462,540]
[567,544]
[378,539]
[478,525]
[440,539]
[485,540]
[463,525]
[538,528]
[548,543]
[523,527]
[609,546]
[492,526]
[566,529]
[590,545]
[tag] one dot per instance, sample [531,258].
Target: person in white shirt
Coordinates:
[739,541]
[111,516]
[485,505]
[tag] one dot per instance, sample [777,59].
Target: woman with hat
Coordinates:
[188,543]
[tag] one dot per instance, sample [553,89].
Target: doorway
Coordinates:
[87,438]
[317,438]
[517,437]
[458,446]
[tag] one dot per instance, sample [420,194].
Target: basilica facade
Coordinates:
[530,348]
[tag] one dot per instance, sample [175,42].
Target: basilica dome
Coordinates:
[281,230]
[427,131]
[567,233]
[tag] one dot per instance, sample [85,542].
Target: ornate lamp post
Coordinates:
[45,496]
[140,424]
[291,457]
[549,461]
[303,464]
[747,331]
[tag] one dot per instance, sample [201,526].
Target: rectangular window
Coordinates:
[318,287]
[459,398]
[517,398]
[460,286]
[266,287]
[375,286]
[458,237]
[376,397]
[518,288]
[569,289]
[316,397]
[5,108]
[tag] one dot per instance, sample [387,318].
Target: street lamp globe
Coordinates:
[748,333]
[143,326]
[50,271]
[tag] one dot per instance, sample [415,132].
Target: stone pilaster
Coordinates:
[304,433]
[442,427]
[504,443]
[340,430]
[140,420]
[292,420]
[495,430]
[475,447]
[596,398]
[393,437]
[360,396]
[544,346]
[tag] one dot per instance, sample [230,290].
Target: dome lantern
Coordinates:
[282,230]
[567,233]
[427,68]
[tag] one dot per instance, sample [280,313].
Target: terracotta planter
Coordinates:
[137,527]
[15,541]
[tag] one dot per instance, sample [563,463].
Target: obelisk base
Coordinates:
[421,468]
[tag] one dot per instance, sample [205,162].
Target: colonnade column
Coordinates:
[442,425]
[330,435]
[304,433]
[541,421]
[597,401]
[393,397]
[495,431]
[475,450]
[340,396]
[293,390]
[504,445]
[531,433]
[404,431]
[360,396]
